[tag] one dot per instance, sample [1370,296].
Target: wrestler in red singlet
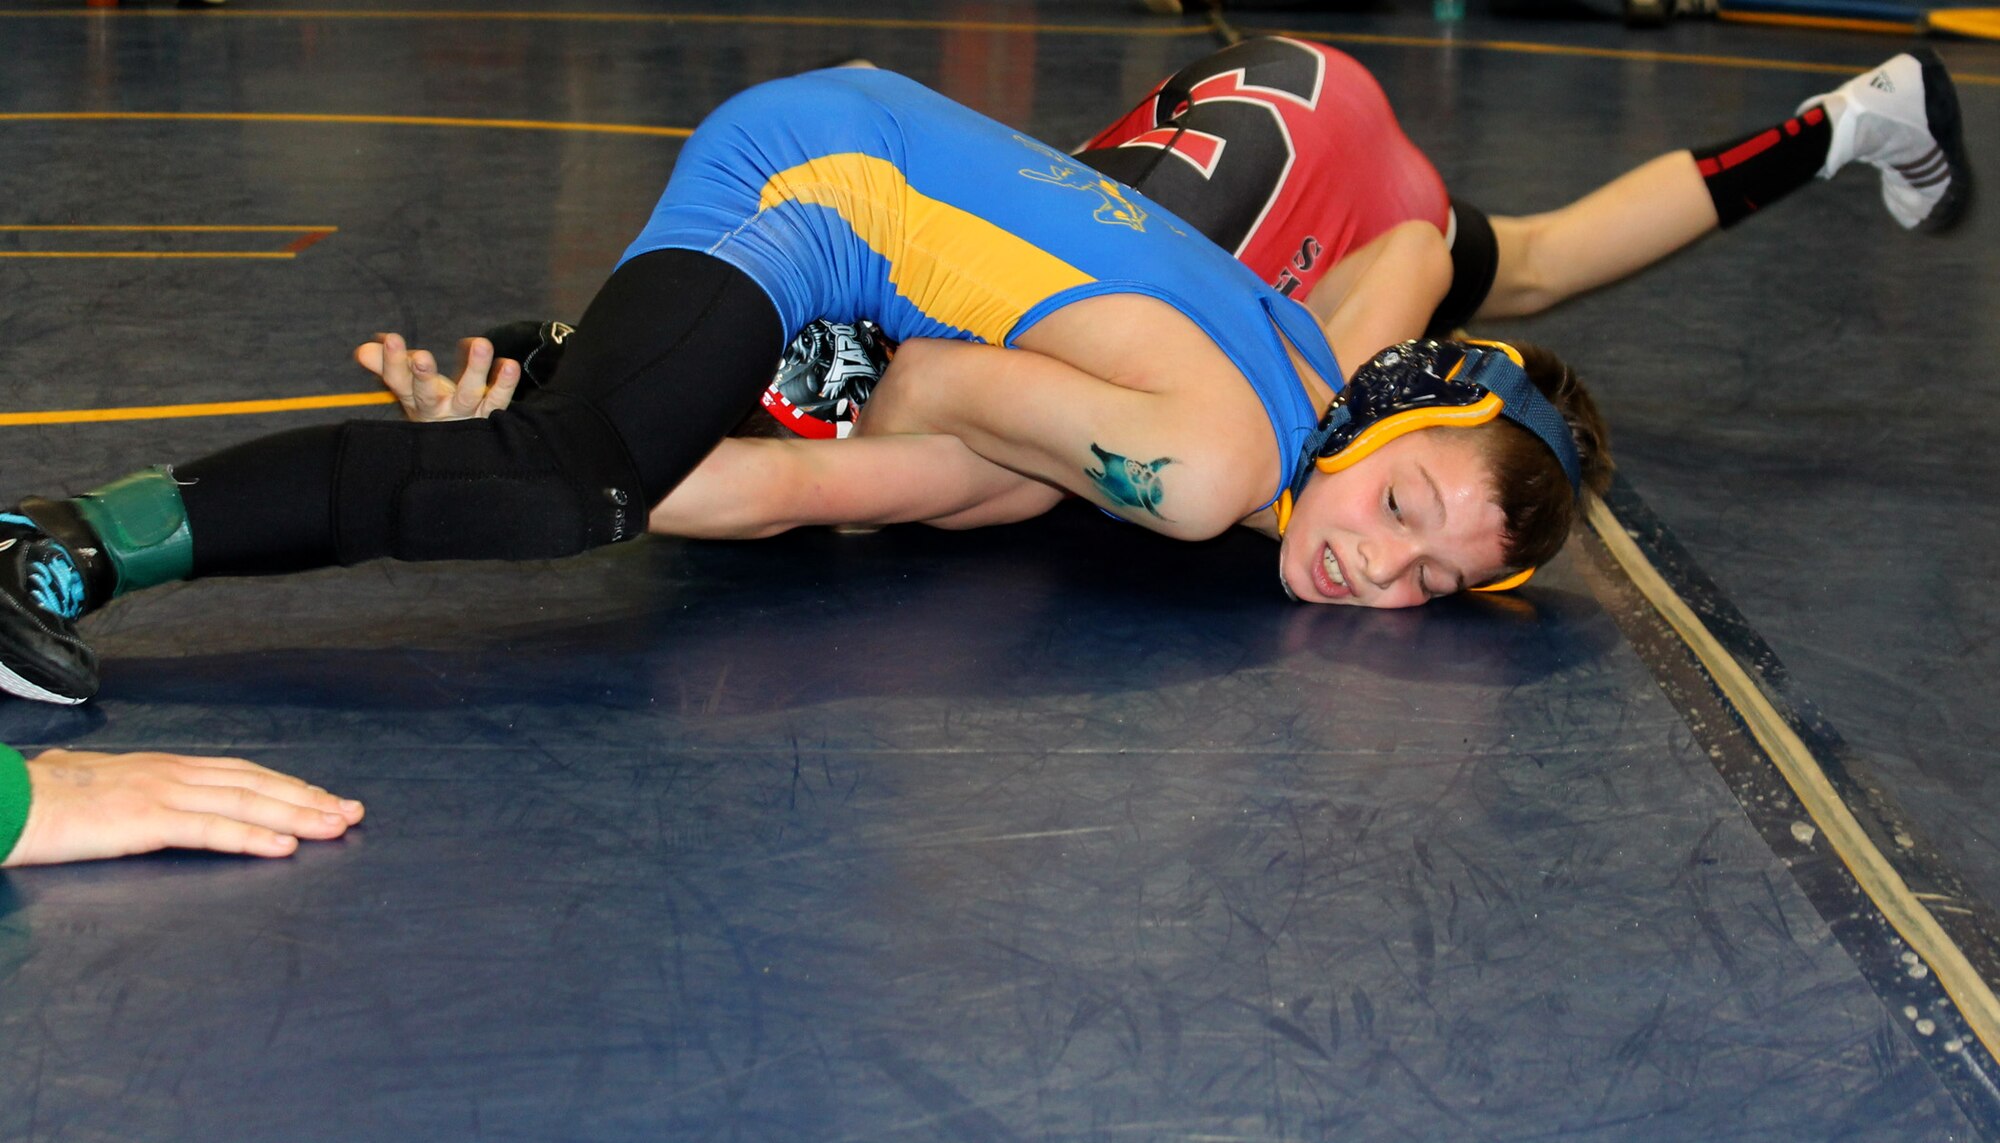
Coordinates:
[1286,154]
[1282,152]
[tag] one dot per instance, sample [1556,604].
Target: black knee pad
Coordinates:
[551,480]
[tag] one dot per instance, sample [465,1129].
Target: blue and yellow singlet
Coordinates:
[854,193]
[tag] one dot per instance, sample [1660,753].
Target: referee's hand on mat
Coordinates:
[86,806]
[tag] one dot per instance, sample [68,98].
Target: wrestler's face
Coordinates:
[1413,520]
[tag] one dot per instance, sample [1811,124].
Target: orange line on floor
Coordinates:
[365,120]
[305,240]
[1821,23]
[210,409]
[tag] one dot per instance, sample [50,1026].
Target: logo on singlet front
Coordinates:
[1114,206]
[1302,262]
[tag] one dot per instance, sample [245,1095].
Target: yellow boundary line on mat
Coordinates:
[198,228]
[1794,759]
[1528,47]
[1821,23]
[364,120]
[209,409]
[905,24]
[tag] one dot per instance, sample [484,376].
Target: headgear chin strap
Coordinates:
[1422,385]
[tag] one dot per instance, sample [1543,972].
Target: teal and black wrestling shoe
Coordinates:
[42,595]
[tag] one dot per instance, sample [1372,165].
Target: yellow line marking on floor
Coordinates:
[148,254]
[1820,23]
[1524,47]
[176,229]
[209,409]
[903,24]
[1877,877]
[365,120]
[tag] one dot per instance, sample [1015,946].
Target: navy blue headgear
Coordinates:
[1422,384]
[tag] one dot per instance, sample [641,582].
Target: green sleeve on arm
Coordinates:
[14,794]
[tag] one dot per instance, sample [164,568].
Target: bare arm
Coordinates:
[1383,293]
[1125,402]
[1119,399]
[747,489]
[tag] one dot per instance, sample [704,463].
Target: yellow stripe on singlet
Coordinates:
[953,265]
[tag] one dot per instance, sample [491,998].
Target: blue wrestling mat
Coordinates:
[1054,832]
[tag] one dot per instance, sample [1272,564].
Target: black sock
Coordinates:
[1747,174]
[1475,259]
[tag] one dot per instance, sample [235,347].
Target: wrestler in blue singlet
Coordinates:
[841,194]
[855,193]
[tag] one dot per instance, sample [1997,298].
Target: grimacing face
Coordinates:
[1413,520]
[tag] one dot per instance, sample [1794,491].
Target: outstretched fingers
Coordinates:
[388,358]
[238,774]
[189,807]
[484,384]
[87,806]
[482,387]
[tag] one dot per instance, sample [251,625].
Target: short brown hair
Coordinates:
[1528,481]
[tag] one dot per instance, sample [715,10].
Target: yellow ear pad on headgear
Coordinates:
[1410,420]
[1406,422]
[1508,584]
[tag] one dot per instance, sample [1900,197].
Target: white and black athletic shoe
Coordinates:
[825,376]
[1902,118]
[42,596]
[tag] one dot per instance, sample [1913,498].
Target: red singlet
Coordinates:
[1284,153]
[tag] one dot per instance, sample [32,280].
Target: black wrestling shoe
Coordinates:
[537,345]
[42,595]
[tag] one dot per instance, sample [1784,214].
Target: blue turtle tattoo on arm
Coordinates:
[1129,483]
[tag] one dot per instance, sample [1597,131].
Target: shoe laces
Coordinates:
[54,583]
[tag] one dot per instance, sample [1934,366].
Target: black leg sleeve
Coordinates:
[673,351]
[268,504]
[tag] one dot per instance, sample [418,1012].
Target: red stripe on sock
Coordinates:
[1748,149]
